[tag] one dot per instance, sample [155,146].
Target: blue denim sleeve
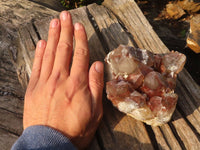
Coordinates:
[42,138]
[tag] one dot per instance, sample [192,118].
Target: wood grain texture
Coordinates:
[135,22]
[8,137]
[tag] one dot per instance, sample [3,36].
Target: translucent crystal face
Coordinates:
[143,83]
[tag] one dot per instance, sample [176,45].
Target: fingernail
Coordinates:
[40,44]
[99,67]
[64,15]
[54,23]
[78,26]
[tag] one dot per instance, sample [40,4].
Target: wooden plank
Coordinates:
[187,107]
[135,22]
[186,134]
[124,130]
[170,137]
[109,27]
[162,144]
[193,89]
[11,122]
[17,12]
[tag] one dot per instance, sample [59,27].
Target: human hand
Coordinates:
[68,100]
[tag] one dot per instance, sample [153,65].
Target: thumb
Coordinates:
[96,83]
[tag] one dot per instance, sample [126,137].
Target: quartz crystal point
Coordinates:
[142,84]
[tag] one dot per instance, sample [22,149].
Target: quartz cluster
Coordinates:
[142,83]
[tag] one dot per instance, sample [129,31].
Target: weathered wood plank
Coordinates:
[135,22]
[192,87]
[170,137]
[187,107]
[11,98]
[190,140]
[162,144]
[109,27]
[17,12]
[11,122]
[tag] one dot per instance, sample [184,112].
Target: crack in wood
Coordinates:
[19,115]
[32,38]
[123,26]
[36,31]
[188,122]
[11,132]
[6,93]
[96,28]
[177,136]
[192,98]
[164,136]
[152,136]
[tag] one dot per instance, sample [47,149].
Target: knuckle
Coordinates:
[97,83]
[81,52]
[55,75]
[64,45]
[48,54]
[36,69]
[76,81]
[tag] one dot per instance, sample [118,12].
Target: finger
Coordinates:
[36,69]
[49,54]
[64,49]
[96,87]
[80,63]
